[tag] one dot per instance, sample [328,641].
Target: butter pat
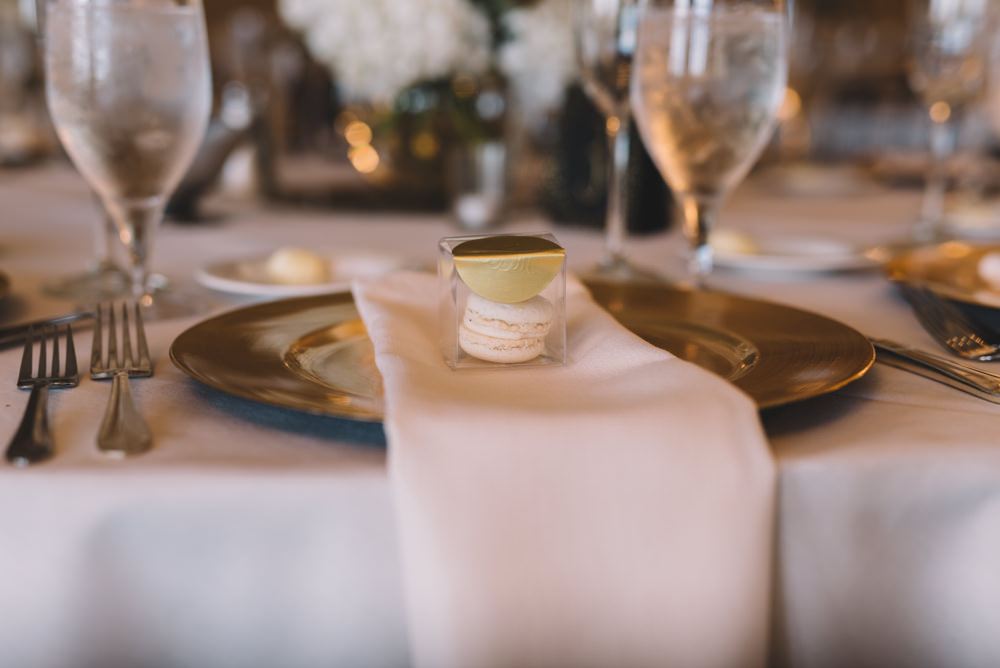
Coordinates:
[732,242]
[297,266]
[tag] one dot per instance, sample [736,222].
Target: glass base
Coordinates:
[620,270]
[108,283]
[163,302]
[927,231]
[102,282]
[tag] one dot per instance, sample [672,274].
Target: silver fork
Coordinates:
[949,325]
[123,431]
[32,442]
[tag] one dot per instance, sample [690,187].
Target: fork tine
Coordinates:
[928,311]
[42,355]
[140,335]
[948,323]
[71,369]
[113,356]
[25,373]
[126,338]
[960,324]
[55,352]
[97,349]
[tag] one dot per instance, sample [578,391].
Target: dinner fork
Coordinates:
[949,324]
[123,431]
[32,442]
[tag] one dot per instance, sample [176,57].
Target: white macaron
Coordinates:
[505,333]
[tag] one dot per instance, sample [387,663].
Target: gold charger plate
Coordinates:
[951,269]
[777,354]
[312,353]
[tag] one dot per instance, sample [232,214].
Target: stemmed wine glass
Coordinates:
[708,79]
[949,49]
[604,40]
[129,92]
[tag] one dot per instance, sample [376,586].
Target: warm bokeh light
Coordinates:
[940,112]
[612,125]
[364,159]
[463,86]
[425,145]
[791,106]
[358,134]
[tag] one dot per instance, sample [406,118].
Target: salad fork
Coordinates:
[32,442]
[123,431]
[949,325]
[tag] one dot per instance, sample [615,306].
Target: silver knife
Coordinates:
[15,334]
[983,384]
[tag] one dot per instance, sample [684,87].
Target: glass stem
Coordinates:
[136,221]
[105,237]
[699,218]
[942,145]
[105,240]
[617,213]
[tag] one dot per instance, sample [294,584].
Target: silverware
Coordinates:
[14,334]
[949,325]
[123,431]
[33,440]
[982,384]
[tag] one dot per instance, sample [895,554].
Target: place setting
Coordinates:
[483,401]
[307,348]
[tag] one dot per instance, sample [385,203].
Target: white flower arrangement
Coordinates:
[378,48]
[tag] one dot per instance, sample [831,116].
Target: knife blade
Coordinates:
[15,334]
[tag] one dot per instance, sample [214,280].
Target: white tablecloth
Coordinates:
[256,536]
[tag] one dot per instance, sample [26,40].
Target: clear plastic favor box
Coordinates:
[502,300]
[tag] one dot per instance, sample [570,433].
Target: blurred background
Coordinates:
[360,104]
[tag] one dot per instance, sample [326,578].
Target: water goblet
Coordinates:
[129,91]
[708,79]
[103,278]
[949,53]
[604,41]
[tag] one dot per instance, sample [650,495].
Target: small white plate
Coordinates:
[249,276]
[794,255]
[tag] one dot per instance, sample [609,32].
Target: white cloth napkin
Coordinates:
[615,511]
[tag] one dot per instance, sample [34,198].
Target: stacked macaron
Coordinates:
[505,333]
[506,318]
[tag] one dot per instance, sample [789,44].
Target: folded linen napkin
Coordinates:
[615,511]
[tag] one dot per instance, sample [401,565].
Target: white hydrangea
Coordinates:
[538,58]
[378,48]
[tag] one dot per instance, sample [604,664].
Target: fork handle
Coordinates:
[971,378]
[32,442]
[123,431]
